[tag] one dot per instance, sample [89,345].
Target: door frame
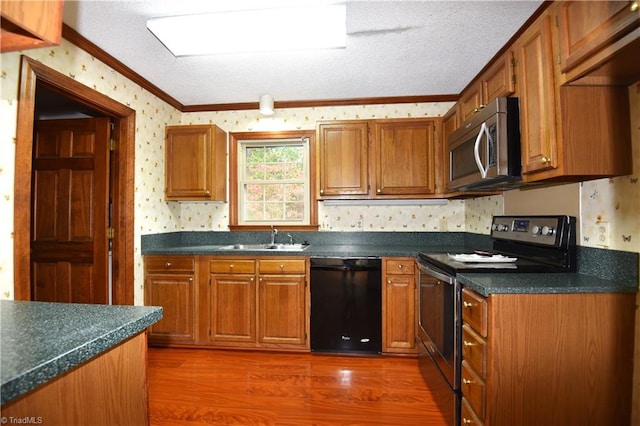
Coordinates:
[32,73]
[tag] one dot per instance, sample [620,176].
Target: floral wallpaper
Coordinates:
[614,200]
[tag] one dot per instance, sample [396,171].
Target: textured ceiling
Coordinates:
[394,48]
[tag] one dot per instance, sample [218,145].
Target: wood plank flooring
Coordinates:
[217,387]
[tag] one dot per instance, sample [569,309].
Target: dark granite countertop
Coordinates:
[41,340]
[598,271]
[505,283]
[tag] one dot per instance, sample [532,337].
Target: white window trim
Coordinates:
[241,179]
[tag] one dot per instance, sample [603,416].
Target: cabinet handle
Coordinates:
[260,279]
[167,265]
[281,266]
[321,191]
[466,421]
[467,382]
[231,266]
[388,281]
[467,343]
[400,266]
[207,193]
[634,6]
[190,280]
[252,279]
[468,304]
[544,160]
[379,190]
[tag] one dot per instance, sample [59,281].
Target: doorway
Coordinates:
[36,76]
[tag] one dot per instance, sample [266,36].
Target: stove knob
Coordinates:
[503,228]
[535,230]
[547,230]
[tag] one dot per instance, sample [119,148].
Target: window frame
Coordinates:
[234,156]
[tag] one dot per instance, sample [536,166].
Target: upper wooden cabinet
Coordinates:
[588,27]
[568,132]
[377,158]
[30,24]
[195,163]
[344,158]
[498,80]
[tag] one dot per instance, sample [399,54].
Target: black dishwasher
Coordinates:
[346,305]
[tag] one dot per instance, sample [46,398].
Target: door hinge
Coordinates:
[112,144]
[111,233]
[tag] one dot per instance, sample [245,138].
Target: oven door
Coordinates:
[440,322]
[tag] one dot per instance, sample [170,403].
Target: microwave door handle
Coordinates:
[476,150]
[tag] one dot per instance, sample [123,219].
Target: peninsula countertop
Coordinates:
[41,340]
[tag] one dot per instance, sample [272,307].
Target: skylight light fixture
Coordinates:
[278,29]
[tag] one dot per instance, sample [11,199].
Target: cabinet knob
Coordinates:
[634,6]
[190,280]
[544,160]
[400,266]
[321,191]
[467,382]
[467,343]
[167,265]
[207,193]
[379,190]
[281,266]
[231,266]
[466,421]
[388,281]
[468,304]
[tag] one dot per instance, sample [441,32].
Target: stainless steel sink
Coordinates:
[265,247]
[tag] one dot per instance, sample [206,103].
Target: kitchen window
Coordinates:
[271,180]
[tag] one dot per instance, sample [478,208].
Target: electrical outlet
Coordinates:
[603,233]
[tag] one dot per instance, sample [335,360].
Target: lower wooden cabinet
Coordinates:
[399,305]
[547,359]
[259,302]
[170,283]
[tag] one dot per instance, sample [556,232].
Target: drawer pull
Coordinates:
[281,266]
[466,421]
[467,343]
[388,281]
[468,304]
[634,6]
[231,266]
[400,266]
[167,265]
[467,382]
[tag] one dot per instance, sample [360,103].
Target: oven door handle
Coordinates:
[436,274]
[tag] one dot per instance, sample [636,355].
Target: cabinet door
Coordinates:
[405,157]
[344,158]
[400,316]
[233,308]
[282,313]
[450,123]
[537,99]
[195,163]
[30,24]
[587,26]
[470,101]
[499,79]
[175,293]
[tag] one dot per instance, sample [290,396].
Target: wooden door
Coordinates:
[405,157]
[344,158]
[176,294]
[282,309]
[70,203]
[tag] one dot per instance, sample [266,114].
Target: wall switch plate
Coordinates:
[603,233]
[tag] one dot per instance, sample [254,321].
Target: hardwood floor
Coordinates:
[216,387]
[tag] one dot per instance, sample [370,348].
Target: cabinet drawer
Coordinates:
[232,266]
[468,416]
[473,389]
[474,311]
[169,264]
[474,350]
[284,266]
[400,266]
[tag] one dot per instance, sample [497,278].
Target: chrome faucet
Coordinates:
[274,232]
[290,238]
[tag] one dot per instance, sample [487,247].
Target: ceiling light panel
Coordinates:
[279,29]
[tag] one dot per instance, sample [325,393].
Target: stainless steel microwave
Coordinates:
[484,152]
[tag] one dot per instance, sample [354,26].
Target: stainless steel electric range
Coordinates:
[520,244]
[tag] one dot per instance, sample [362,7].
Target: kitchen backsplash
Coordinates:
[616,201]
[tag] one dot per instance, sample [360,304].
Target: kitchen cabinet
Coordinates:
[522,352]
[30,24]
[343,160]
[282,312]
[195,163]
[170,283]
[399,306]
[259,302]
[568,132]
[497,80]
[359,159]
[586,28]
